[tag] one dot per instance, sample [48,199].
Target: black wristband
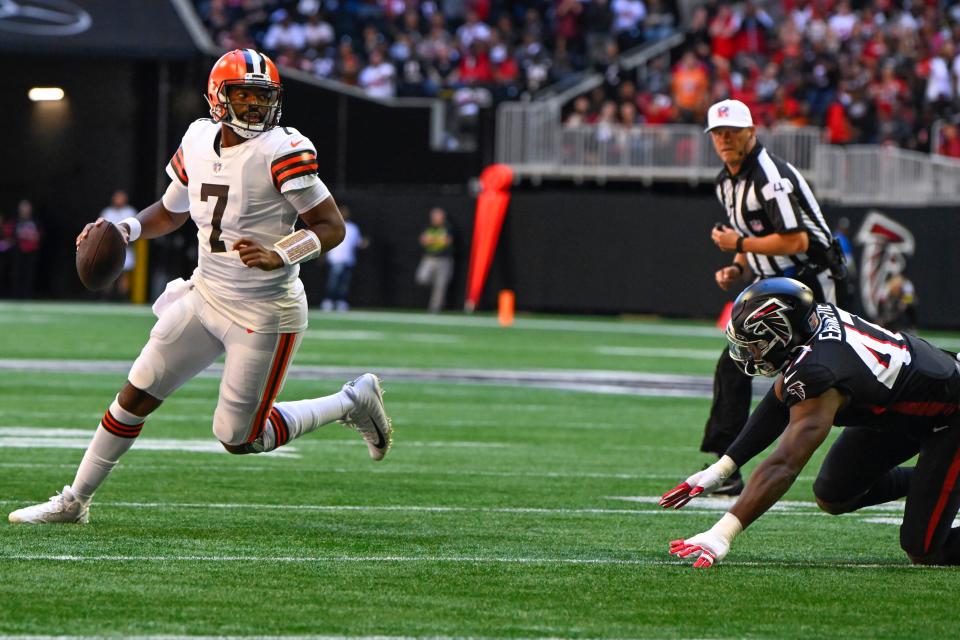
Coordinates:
[740,245]
[738,266]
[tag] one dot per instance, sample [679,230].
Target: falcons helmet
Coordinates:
[251,69]
[770,321]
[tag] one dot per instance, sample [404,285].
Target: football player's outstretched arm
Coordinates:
[155,221]
[765,425]
[810,422]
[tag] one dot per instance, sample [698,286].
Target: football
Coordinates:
[100,257]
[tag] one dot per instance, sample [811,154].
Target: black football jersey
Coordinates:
[893,380]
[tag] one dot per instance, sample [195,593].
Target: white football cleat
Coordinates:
[63,507]
[368,415]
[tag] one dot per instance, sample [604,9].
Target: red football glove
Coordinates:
[711,549]
[710,546]
[704,481]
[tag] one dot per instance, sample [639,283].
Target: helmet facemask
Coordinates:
[756,357]
[248,118]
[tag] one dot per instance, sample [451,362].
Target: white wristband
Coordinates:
[725,466]
[728,527]
[135,228]
[299,246]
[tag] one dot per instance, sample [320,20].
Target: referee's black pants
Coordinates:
[732,392]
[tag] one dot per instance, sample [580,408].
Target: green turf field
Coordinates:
[505,509]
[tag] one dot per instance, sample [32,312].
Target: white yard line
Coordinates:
[697,508]
[55,311]
[452,559]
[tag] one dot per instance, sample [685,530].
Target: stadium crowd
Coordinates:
[473,50]
[868,72]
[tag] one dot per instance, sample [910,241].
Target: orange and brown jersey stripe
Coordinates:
[294,165]
[281,359]
[178,168]
[119,429]
[280,427]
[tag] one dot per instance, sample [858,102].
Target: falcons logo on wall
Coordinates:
[770,320]
[886,245]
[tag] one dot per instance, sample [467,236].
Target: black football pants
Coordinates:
[861,458]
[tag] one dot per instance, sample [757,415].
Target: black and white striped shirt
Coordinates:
[768,195]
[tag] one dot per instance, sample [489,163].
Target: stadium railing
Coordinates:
[532,139]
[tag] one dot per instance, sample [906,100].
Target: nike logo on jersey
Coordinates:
[297,143]
[937,429]
[787,379]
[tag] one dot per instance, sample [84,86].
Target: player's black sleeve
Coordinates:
[808,381]
[765,425]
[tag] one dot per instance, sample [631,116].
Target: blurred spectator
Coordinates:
[628,16]
[659,23]
[842,23]
[27,235]
[754,28]
[118,210]
[318,33]
[838,128]
[580,114]
[284,33]
[8,243]
[689,88]
[949,142]
[897,310]
[378,78]
[723,32]
[566,20]
[342,260]
[472,30]
[436,266]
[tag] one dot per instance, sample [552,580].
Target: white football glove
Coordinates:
[710,546]
[704,481]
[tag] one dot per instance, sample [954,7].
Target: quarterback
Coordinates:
[245,181]
[895,395]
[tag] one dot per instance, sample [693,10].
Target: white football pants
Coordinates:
[189,336]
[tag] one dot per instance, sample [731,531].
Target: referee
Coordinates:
[775,228]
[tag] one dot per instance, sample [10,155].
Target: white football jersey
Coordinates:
[237,192]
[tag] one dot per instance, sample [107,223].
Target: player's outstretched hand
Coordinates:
[708,548]
[256,255]
[88,227]
[700,482]
[704,481]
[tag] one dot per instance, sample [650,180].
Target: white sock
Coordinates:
[290,420]
[116,433]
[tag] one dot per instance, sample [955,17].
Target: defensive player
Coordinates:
[244,181]
[896,395]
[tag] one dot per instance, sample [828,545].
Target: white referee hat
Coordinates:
[728,113]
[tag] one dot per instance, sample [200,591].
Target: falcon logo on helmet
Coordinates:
[770,321]
[244,92]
